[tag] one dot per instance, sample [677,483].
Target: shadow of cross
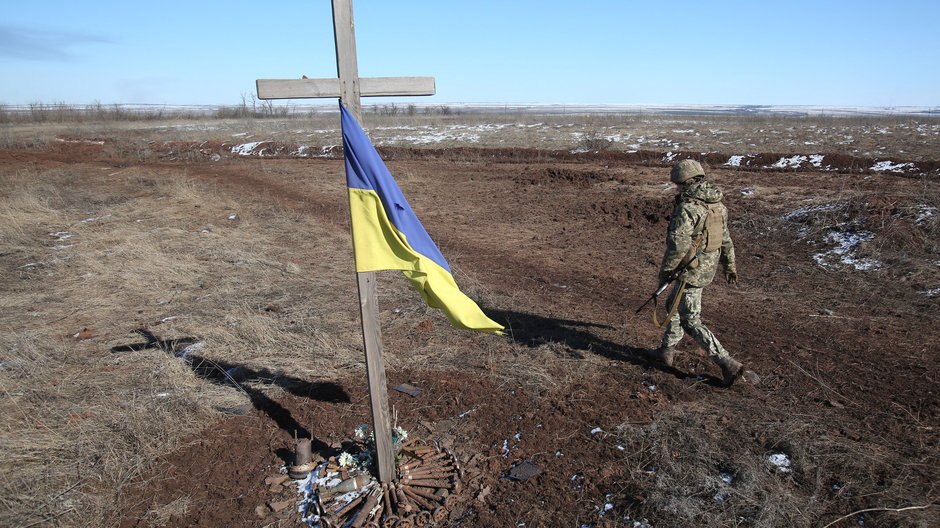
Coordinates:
[169,345]
[233,374]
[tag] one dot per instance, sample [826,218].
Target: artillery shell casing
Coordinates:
[348,507]
[413,463]
[370,502]
[420,501]
[445,470]
[433,457]
[427,493]
[431,483]
[403,504]
[431,465]
[385,499]
[424,518]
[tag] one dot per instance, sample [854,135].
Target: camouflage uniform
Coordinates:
[685,229]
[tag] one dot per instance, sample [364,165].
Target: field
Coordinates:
[177,303]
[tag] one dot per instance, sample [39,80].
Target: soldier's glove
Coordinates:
[664,276]
[731,277]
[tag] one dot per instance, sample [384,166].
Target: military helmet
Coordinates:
[685,170]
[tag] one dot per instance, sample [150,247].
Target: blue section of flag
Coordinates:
[366,170]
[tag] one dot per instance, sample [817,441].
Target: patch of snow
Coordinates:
[925,213]
[816,161]
[817,208]
[461,415]
[597,430]
[735,161]
[747,192]
[889,166]
[781,461]
[246,149]
[846,244]
[195,347]
[792,162]
[95,218]
[930,293]
[86,141]
[327,151]
[669,156]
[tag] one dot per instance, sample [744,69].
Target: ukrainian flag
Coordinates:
[388,235]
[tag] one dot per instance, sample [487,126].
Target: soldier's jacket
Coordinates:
[686,232]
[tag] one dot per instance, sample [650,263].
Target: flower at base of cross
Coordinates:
[345,459]
[399,434]
[361,432]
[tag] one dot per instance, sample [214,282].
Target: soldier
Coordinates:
[699,223]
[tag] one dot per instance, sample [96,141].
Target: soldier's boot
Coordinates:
[731,370]
[664,355]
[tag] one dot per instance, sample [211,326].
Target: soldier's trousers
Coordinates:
[688,320]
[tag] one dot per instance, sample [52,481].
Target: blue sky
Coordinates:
[854,53]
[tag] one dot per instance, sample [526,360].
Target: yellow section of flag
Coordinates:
[379,245]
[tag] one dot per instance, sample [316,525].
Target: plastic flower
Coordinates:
[400,433]
[345,459]
[361,431]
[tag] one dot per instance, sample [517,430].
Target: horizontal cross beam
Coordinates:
[368,87]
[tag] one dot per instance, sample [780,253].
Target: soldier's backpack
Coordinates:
[710,237]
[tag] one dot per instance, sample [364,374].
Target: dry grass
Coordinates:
[79,422]
[696,468]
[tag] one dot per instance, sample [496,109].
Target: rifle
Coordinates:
[669,280]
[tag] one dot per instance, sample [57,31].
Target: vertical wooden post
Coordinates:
[348,72]
[350,87]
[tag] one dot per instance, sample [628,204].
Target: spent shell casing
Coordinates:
[431,483]
[420,501]
[385,499]
[427,493]
[428,475]
[424,518]
[348,507]
[403,503]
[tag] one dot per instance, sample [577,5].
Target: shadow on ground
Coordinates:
[533,330]
[230,374]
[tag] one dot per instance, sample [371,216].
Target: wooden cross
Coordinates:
[349,87]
